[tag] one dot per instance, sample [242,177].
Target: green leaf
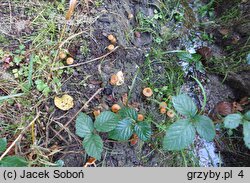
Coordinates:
[128,112]
[93,145]
[143,130]
[3,144]
[13,161]
[106,121]
[247,115]
[84,125]
[232,121]
[189,57]
[123,130]
[246,133]
[184,105]
[179,135]
[205,127]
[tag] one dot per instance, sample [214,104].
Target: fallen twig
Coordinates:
[69,38]
[84,106]
[87,62]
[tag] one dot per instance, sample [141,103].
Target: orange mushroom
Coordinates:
[111,37]
[163,105]
[115,108]
[163,110]
[113,41]
[147,92]
[111,47]
[70,60]
[114,79]
[62,55]
[140,117]
[96,113]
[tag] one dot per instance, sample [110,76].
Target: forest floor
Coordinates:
[150,35]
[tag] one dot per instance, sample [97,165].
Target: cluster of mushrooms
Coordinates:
[63,55]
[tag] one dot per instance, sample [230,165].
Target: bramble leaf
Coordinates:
[106,121]
[93,145]
[143,130]
[205,127]
[247,115]
[13,161]
[179,135]
[84,125]
[3,144]
[232,121]
[246,133]
[128,112]
[184,105]
[123,130]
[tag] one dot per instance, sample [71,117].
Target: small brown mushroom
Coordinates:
[147,92]
[113,41]
[114,79]
[163,105]
[140,117]
[96,113]
[163,110]
[170,113]
[62,55]
[69,61]
[115,108]
[111,47]
[111,37]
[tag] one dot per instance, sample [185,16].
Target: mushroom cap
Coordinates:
[163,105]
[163,110]
[70,60]
[96,113]
[147,92]
[113,41]
[111,37]
[115,108]
[114,79]
[62,55]
[140,117]
[111,47]
[170,113]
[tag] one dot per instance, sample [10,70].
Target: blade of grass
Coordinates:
[203,93]
[10,96]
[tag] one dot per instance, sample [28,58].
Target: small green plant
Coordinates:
[182,133]
[191,59]
[207,10]
[119,126]
[207,37]
[42,87]
[10,161]
[233,121]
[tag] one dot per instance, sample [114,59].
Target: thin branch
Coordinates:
[69,38]
[87,62]
[83,107]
